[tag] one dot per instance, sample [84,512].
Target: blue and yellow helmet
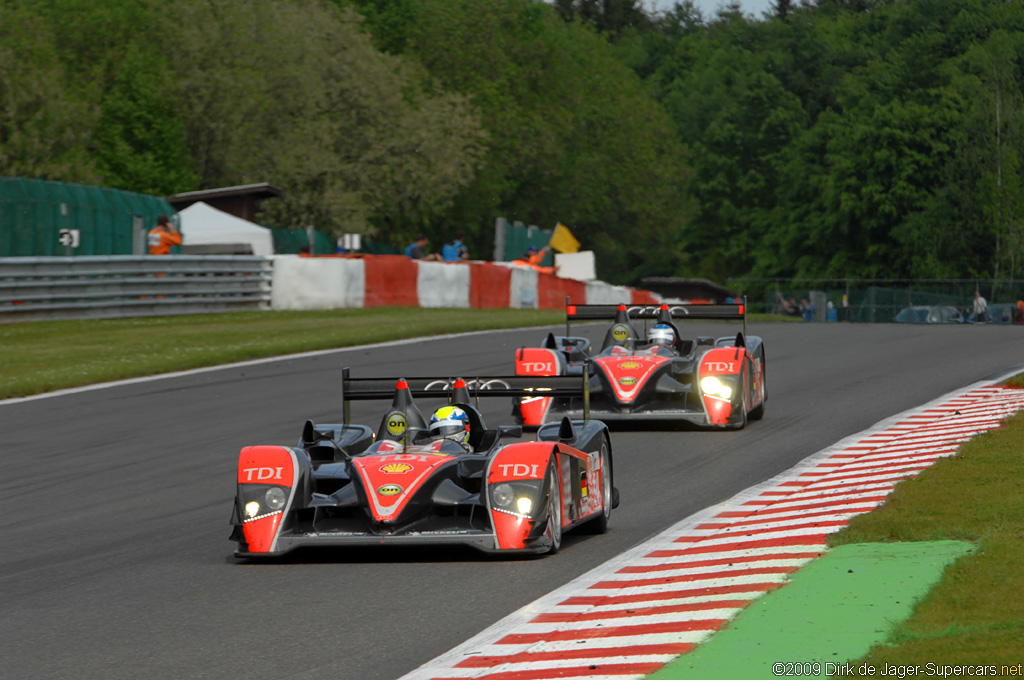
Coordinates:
[450,422]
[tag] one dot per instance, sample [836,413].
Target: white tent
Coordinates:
[202,224]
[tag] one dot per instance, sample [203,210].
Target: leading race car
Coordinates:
[454,481]
[707,382]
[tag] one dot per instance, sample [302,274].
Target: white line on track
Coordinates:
[631,615]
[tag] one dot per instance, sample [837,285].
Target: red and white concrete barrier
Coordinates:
[395,280]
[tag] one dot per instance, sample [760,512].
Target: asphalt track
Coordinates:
[114,505]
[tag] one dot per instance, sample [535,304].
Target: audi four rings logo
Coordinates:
[438,385]
[496,384]
[470,384]
[654,311]
[719,366]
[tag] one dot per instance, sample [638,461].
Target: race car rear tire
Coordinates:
[554,530]
[599,524]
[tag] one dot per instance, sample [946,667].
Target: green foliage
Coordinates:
[44,125]
[573,137]
[836,138]
[349,133]
[141,135]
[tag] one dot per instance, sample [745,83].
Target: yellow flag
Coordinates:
[563,241]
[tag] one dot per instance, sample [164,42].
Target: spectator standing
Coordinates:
[807,309]
[456,250]
[163,236]
[417,250]
[980,308]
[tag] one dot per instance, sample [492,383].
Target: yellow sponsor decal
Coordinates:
[627,381]
[396,424]
[630,364]
[389,490]
[395,468]
[620,332]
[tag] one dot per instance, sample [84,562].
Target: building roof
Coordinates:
[255,191]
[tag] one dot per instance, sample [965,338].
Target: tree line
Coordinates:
[827,138]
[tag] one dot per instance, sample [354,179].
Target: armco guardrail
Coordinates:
[36,288]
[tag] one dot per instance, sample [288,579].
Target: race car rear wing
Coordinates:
[735,311]
[466,390]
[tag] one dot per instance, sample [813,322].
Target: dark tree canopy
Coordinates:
[826,138]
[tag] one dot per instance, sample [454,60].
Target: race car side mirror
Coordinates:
[510,431]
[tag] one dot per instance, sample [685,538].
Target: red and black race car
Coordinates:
[342,485]
[658,375]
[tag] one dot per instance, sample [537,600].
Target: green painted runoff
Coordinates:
[833,610]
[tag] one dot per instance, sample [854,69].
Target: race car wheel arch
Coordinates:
[599,524]
[758,411]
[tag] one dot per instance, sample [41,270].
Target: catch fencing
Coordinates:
[882,300]
[39,288]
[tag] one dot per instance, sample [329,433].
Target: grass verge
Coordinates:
[975,614]
[42,356]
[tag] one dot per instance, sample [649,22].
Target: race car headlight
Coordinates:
[259,500]
[714,387]
[502,495]
[524,505]
[275,498]
[515,498]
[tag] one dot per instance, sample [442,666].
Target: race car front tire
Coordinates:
[554,530]
[758,412]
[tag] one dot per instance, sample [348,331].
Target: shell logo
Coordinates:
[389,490]
[630,364]
[627,381]
[395,468]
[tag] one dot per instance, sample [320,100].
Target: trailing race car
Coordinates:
[657,376]
[454,481]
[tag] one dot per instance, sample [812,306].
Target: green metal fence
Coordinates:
[882,300]
[44,218]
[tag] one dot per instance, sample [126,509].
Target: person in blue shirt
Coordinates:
[417,250]
[456,250]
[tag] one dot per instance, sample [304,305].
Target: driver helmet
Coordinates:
[661,334]
[450,422]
